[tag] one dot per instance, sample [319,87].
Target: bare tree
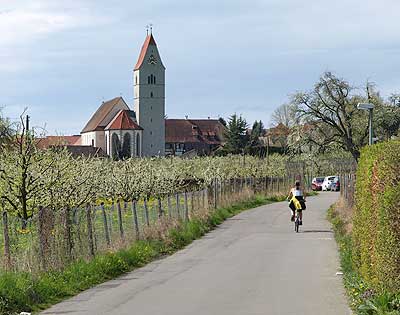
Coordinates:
[331,109]
[286,114]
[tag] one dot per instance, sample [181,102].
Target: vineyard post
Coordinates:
[121,228]
[7,252]
[192,201]
[146,212]
[135,219]
[110,214]
[106,231]
[67,233]
[160,209]
[43,242]
[215,193]
[177,205]
[90,229]
[186,207]
[203,193]
[169,206]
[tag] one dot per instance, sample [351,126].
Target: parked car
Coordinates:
[335,184]
[327,183]
[316,183]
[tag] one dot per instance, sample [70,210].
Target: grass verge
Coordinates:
[26,292]
[363,299]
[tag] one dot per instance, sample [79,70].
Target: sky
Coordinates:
[61,59]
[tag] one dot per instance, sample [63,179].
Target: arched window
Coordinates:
[126,146]
[115,147]
[138,145]
[154,80]
[151,94]
[135,79]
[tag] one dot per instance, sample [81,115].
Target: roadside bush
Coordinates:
[376,222]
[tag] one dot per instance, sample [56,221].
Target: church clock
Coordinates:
[152,60]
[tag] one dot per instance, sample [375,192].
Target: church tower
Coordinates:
[149,98]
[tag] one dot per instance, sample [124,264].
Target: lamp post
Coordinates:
[370,108]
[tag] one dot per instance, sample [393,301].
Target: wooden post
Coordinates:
[106,231]
[169,206]
[121,228]
[178,205]
[186,207]
[68,233]
[215,193]
[90,230]
[160,209]
[7,252]
[192,201]
[135,219]
[146,212]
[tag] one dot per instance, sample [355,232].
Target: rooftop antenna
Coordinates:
[151,28]
[147,30]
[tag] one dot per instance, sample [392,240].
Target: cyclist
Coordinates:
[297,201]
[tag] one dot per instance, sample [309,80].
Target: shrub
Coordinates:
[376,233]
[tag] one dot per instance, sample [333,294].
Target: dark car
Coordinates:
[316,183]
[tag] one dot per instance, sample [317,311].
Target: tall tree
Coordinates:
[235,135]
[331,109]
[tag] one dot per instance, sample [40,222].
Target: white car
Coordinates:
[327,183]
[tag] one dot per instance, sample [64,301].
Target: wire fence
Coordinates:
[52,239]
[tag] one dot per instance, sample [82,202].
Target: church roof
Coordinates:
[97,121]
[148,41]
[123,121]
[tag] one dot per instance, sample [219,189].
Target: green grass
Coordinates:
[363,300]
[27,292]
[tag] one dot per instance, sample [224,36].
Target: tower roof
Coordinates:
[148,42]
[123,121]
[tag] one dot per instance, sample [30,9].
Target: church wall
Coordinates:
[95,138]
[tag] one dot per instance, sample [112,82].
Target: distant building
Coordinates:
[202,136]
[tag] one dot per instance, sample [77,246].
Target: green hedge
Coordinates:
[376,221]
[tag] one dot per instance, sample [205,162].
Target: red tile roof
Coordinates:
[209,131]
[148,41]
[95,123]
[48,141]
[123,121]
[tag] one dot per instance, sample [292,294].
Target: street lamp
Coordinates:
[370,108]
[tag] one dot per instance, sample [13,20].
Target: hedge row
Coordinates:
[376,221]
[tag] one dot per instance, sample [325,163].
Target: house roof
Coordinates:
[148,41]
[48,141]
[123,121]
[97,120]
[209,131]
[83,150]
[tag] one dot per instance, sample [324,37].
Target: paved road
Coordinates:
[252,264]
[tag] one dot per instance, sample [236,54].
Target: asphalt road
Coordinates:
[252,264]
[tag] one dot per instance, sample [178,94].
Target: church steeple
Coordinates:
[149,100]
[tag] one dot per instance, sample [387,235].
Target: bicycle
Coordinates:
[297,222]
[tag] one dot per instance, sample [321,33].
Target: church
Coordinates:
[117,131]
[121,132]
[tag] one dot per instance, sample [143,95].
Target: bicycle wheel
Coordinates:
[296,225]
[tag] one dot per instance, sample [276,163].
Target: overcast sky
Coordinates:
[62,58]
